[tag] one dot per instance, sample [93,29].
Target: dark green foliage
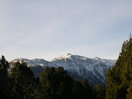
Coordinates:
[120,76]
[99,92]
[82,90]
[4,81]
[55,84]
[129,94]
[22,81]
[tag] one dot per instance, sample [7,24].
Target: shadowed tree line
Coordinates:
[53,83]
[119,78]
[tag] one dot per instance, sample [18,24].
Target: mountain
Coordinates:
[79,67]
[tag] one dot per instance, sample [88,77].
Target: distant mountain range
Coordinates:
[79,67]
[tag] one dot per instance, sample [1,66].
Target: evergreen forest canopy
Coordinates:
[19,82]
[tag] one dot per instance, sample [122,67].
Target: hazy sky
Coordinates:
[50,28]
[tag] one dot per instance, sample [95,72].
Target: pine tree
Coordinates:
[99,91]
[120,76]
[22,81]
[4,81]
[82,90]
[55,84]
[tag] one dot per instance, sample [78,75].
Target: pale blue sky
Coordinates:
[50,28]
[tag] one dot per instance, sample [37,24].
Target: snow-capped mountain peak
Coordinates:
[21,59]
[80,67]
[66,56]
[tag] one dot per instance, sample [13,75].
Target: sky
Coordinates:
[51,28]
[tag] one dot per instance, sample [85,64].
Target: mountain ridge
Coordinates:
[81,67]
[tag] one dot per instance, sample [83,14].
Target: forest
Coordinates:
[19,82]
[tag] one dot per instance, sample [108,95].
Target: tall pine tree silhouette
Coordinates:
[4,81]
[119,83]
[22,81]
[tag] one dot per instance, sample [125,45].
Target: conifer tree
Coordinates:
[22,81]
[120,76]
[55,84]
[82,90]
[99,92]
[4,81]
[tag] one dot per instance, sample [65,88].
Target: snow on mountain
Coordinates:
[80,67]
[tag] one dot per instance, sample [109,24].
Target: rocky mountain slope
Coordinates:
[80,67]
